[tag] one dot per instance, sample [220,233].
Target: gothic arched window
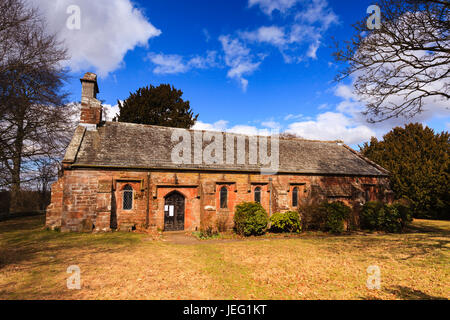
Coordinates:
[127,197]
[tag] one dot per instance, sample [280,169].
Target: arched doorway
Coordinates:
[174,212]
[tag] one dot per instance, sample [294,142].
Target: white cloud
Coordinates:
[222,126]
[174,63]
[323,106]
[268,6]
[317,12]
[311,23]
[109,29]
[248,130]
[209,61]
[332,126]
[271,125]
[302,34]
[167,63]
[326,126]
[239,59]
[312,50]
[345,92]
[300,38]
[109,111]
[273,35]
[353,105]
[206,34]
[293,117]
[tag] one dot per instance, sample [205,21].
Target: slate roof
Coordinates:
[127,145]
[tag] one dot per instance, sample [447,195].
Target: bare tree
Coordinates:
[399,67]
[33,113]
[46,173]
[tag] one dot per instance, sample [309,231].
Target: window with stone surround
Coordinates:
[127,203]
[258,194]
[223,198]
[295,197]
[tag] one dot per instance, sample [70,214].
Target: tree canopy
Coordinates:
[418,160]
[160,105]
[403,65]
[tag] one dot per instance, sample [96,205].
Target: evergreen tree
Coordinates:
[419,164]
[160,105]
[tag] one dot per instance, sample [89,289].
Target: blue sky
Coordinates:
[245,65]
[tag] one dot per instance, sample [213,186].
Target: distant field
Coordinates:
[33,264]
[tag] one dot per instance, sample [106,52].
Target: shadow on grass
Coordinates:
[406,293]
[23,239]
[21,223]
[427,228]
[6,217]
[420,239]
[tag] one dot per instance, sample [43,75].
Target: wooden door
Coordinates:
[174,212]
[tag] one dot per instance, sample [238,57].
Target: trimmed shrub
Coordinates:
[372,215]
[285,222]
[404,210]
[250,218]
[384,217]
[325,216]
[336,214]
[392,222]
[312,217]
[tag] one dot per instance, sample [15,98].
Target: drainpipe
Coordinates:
[147,217]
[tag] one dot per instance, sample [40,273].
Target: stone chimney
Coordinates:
[91,108]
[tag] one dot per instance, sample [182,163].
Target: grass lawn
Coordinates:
[33,264]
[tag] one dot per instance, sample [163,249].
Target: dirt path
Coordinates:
[180,238]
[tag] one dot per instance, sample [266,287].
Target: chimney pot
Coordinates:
[89,86]
[91,108]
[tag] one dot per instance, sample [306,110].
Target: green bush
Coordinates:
[392,222]
[285,222]
[336,214]
[384,217]
[250,218]
[208,233]
[313,217]
[325,216]
[372,215]
[404,210]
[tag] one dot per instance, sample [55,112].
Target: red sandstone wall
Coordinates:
[89,114]
[84,200]
[54,210]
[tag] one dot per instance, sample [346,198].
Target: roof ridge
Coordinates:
[223,132]
[137,145]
